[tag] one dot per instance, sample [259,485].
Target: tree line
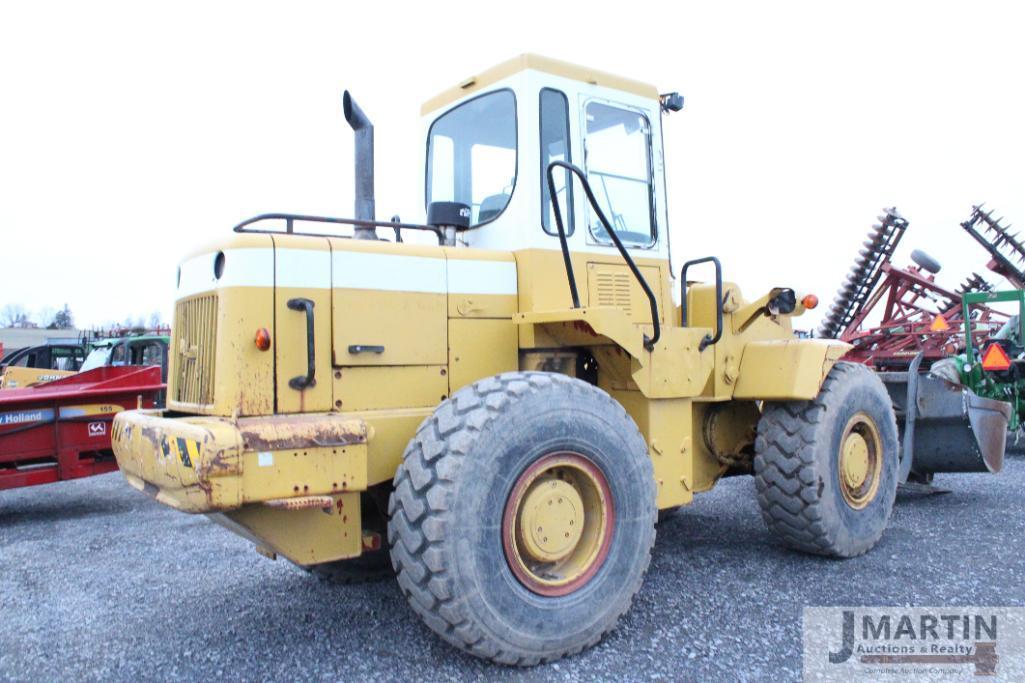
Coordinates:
[16,315]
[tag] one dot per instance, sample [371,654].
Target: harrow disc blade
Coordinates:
[857,284]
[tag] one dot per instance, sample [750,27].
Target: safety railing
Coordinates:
[292,218]
[649,342]
[708,339]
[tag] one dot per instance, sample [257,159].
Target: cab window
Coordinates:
[119,356]
[555,146]
[66,358]
[471,155]
[26,361]
[97,358]
[617,152]
[148,354]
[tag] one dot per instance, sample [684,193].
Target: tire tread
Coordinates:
[419,509]
[786,479]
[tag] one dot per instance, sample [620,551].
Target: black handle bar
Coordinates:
[649,343]
[301,382]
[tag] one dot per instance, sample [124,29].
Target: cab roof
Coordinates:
[111,341]
[534,62]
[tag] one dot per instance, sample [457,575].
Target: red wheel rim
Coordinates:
[565,498]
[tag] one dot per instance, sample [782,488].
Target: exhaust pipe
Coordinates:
[364,134]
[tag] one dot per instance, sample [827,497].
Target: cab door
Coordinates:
[302,324]
[619,163]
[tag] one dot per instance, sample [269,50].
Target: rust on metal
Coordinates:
[285,432]
[224,461]
[301,503]
[371,540]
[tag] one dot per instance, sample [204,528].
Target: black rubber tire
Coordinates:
[450,494]
[796,466]
[373,565]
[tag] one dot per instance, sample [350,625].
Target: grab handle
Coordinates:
[301,382]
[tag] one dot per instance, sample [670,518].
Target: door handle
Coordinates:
[300,382]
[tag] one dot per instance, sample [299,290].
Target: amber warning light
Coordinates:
[262,339]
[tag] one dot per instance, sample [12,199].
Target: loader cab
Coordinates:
[489,142]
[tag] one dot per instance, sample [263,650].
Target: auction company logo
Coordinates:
[894,643]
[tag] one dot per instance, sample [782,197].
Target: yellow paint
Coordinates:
[614,286]
[269,475]
[147,448]
[551,520]
[373,387]
[681,466]
[860,461]
[290,335]
[786,369]
[392,430]
[91,410]
[854,455]
[485,79]
[559,523]
[357,320]
[463,305]
[543,286]
[221,353]
[480,348]
[242,436]
[209,464]
[16,377]
[306,537]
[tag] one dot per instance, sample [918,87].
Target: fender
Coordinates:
[786,369]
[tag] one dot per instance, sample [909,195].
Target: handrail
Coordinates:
[649,343]
[291,218]
[708,339]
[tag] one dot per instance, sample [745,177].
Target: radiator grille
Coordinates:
[613,288]
[195,332]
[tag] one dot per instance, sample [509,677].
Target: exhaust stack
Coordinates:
[364,134]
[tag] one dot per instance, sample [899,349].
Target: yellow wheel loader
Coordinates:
[495,405]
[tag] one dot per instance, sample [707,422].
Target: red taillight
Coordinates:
[994,359]
[810,301]
[262,339]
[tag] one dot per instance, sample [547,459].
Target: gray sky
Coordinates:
[133,132]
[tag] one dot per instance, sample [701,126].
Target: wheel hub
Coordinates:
[552,520]
[855,460]
[860,461]
[557,525]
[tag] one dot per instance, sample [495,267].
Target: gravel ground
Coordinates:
[98,582]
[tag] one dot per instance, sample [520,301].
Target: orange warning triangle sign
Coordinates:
[994,358]
[939,324]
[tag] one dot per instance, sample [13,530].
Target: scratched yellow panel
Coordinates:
[303,472]
[309,536]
